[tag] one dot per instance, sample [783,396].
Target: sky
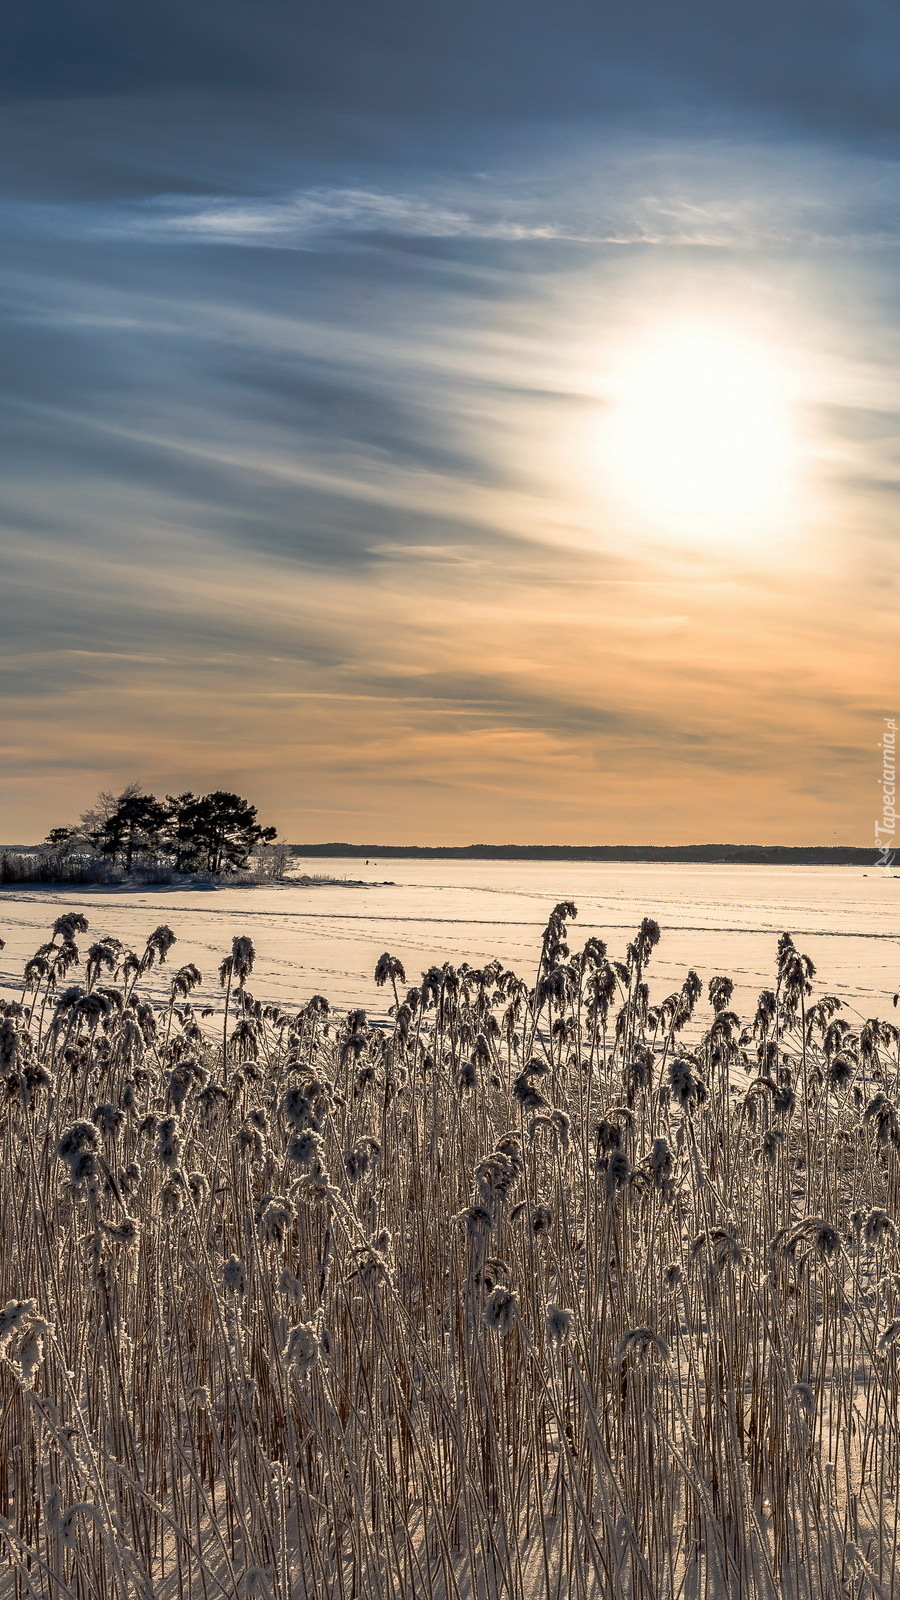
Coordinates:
[452,423]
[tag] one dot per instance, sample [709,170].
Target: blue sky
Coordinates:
[310,321]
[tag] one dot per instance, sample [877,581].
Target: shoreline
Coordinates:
[191,885]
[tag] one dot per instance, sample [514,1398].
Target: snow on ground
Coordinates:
[326,938]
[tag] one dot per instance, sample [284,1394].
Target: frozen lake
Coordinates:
[326,939]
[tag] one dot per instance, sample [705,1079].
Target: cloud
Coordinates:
[302,218]
[746,189]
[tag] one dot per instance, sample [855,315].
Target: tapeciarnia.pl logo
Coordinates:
[887,827]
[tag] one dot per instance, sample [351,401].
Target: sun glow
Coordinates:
[700,437]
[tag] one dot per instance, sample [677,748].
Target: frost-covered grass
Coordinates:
[540,1290]
[33,867]
[40,866]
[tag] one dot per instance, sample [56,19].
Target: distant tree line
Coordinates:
[210,833]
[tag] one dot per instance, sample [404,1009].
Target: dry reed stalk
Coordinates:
[535,1291]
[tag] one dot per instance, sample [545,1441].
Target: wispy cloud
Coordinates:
[605,190]
[302,218]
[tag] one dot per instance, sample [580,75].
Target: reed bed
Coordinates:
[535,1290]
[40,866]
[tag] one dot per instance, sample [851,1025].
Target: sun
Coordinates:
[699,437]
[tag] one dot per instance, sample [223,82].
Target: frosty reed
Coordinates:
[541,1288]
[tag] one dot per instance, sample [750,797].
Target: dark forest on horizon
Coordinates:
[715,854]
